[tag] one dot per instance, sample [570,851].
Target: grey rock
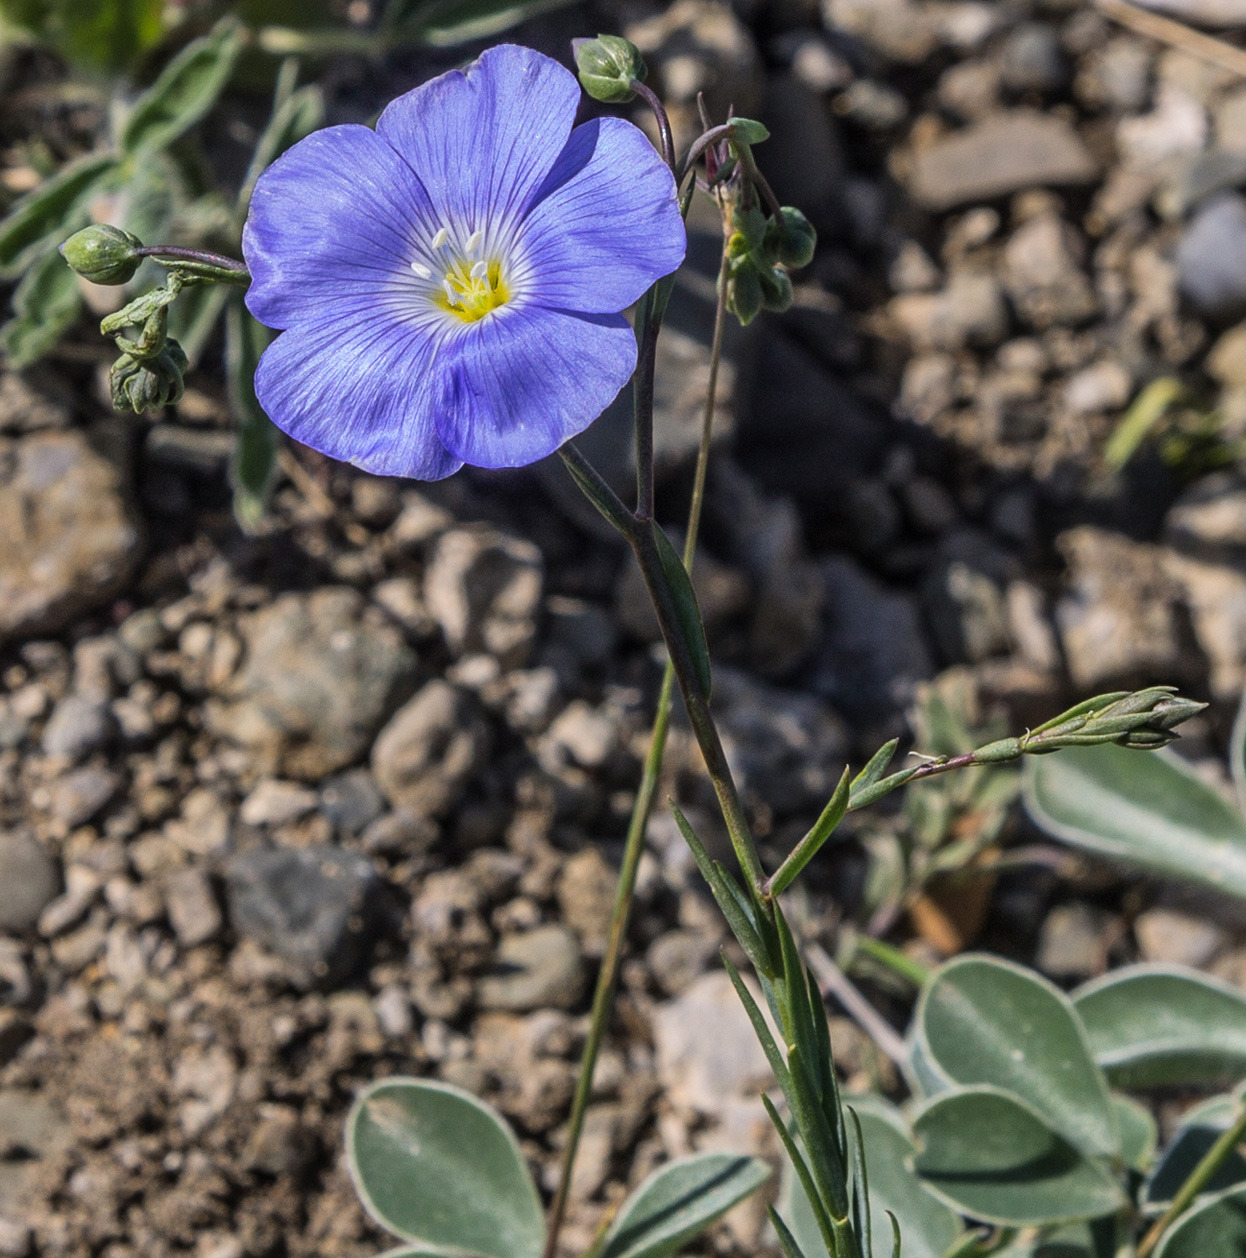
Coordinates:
[483,588]
[1119,619]
[1043,275]
[1074,941]
[29,878]
[969,310]
[1211,258]
[352,800]
[429,751]
[1208,521]
[23,408]
[784,747]
[400,833]
[967,613]
[585,630]
[77,727]
[538,969]
[1031,60]
[71,537]
[316,907]
[898,30]
[1226,363]
[1118,75]
[1215,597]
[15,1238]
[1168,936]
[677,958]
[586,890]
[32,1127]
[580,734]
[280,1145]
[77,796]
[1004,153]
[873,650]
[192,906]
[276,803]
[322,673]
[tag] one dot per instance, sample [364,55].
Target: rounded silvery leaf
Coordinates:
[442,1170]
[1162,1025]
[1215,1227]
[993,1157]
[680,1199]
[1149,811]
[981,1020]
[1200,1128]
[927,1226]
[1139,1134]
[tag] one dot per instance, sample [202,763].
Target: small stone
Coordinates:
[322,673]
[79,795]
[1226,363]
[276,803]
[203,829]
[32,1128]
[29,878]
[1103,386]
[970,310]
[1043,275]
[896,29]
[1211,257]
[316,907]
[77,727]
[1074,941]
[580,734]
[429,751]
[538,969]
[352,800]
[586,890]
[280,1143]
[1031,60]
[483,588]
[912,270]
[966,609]
[1176,128]
[71,536]
[1168,936]
[400,833]
[393,1012]
[82,888]
[679,957]
[15,1238]
[1006,152]
[192,907]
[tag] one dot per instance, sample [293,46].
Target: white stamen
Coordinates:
[421,270]
[475,240]
[451,296]
[440,238]
[480,270]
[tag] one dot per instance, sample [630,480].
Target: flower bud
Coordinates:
[776,289]
[792,238]
[608,65]
[147,384]
[103,254]
[744,296]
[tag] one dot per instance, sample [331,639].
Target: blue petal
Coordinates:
[517,384]
[606,222]
[333,221]
[483,139]
[360,391]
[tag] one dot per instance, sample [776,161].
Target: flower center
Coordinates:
[471,286]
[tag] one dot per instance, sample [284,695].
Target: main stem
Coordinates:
[1198,1179]
[633,848]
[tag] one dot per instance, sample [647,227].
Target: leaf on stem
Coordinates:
[811,844]
[684,599]
[253,463]
[46,303]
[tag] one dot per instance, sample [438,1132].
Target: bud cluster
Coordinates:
[760,251]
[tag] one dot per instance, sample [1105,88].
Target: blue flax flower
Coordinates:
[450,285]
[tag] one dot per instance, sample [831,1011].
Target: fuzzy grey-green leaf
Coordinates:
[1214,1229]
[442,1170]
[679,1200]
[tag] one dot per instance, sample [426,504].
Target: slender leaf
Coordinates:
[46,303]
[1160,1026]
[52,212]
[685,602]
[984,1020]
[990,1155]
[1149,810]
[679,1200]
[294,118]
[186,90]
[811,844]
[253,465]
[439,1168]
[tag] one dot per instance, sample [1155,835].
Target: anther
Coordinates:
[451,296]
[440,238]
[480,270]
[475,240]
[421,270]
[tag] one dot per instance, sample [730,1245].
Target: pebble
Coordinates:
[483,588]
[1211,258]
[352,800]
[1168,936]
[71,536]
[322,673]
[1004,153]
[586,889]
[537,969]
[1043,274]
[191,904]
[76,797]
[1103,386]
[678,957]
[276,803]
[1074,941]
[77,727]
[316,907]
[33,1127]
[1031,60]
[970,310]
[29,878]
[429,751]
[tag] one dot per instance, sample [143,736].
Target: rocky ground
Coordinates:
[280,814]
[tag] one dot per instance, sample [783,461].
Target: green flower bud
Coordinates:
[776,289]
[147,384]
[103,254]
[744,295]
[791,239]
[608,65]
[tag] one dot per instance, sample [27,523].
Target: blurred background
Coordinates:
[308,776]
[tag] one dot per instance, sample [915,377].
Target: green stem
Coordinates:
[1198,1179]
[633,848]
[896,961]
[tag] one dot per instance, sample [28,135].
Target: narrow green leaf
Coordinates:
[984,1020]
[46,303]
[52,212]
[449,22]
[1163,1026]
[1148,810]
[860,1186]
[1146,410]
[185,91]
[830,1171]
[679,1200]
[761,1028]
[1214,1229]
[301,113]
[787,1241]
[253,466]
[876,767]
[811,844]
[685,600]
[990,1155]
[441,1169]
[815,1221]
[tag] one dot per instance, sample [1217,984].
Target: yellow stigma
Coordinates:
[471,290]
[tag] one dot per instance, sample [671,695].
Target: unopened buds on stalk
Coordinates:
[759,252]
[608,67]
[103,254]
